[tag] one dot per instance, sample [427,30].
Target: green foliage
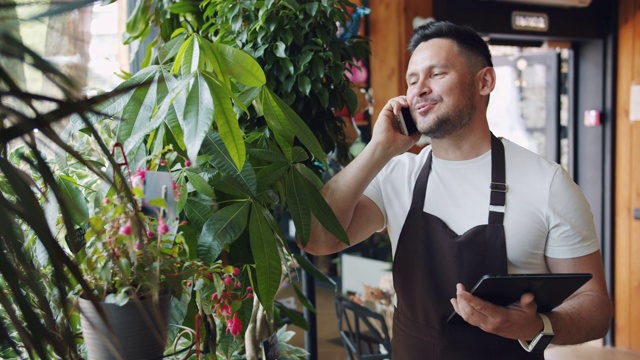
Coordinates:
[293,41]
[36,267]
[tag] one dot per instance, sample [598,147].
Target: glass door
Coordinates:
[525,104]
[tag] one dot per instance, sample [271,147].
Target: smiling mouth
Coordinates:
[425,106]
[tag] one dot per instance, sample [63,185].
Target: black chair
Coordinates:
[363,331]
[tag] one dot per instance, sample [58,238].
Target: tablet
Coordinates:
[549,290]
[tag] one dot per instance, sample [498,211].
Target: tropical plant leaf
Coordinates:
[298,203]
[227,121]
[70,188]
[322,211]
[200,184]
[221,160]
[137,112]
[198,115]
[223,228]
[239,65]
[267,258]
[197,212]
[294,316]
[312,270]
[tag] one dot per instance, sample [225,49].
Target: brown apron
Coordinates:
[430,260]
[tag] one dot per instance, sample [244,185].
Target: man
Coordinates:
[469,204]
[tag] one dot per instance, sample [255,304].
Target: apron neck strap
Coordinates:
[498,183]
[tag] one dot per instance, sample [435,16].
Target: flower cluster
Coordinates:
[229,299]
[131,252]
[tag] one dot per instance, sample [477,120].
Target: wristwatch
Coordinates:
[540,341]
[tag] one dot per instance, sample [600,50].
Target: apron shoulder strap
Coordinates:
[498,182]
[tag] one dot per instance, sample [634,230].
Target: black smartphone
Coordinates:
[406,123]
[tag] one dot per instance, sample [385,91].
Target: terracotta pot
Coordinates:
[139,329]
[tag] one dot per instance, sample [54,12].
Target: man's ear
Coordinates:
[487,80]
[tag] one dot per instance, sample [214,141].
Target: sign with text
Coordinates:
[529,21]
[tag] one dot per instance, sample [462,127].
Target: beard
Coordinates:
[453,119]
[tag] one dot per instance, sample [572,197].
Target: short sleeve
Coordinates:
[572,231]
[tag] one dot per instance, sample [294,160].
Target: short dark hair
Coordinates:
[466,37]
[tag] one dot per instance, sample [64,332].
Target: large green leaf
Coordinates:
[198,115]
[227,121]
[197,212]
[190,57]
[239,65]
[276,119]
[220,158]
[69,187]
[267,258]
[200,184]
[145,125]
[113,106]
[322,211]
[272,173]
[137,112]
[298,203]
[283,118]
[223,228]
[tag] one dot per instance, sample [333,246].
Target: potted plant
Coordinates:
[223,87]
[250,156]
[37,271]
[133,264]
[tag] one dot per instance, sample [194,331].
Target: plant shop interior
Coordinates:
[163,164]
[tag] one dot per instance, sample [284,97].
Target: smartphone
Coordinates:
[407,125]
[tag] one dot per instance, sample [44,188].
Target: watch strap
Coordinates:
[542,340]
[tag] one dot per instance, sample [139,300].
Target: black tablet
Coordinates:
[549,290]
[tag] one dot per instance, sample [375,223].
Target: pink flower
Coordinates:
[150,234]
[163,228]
[187,163]
[249,289]
[234,326]
[225,310]
[357,75]
[126,230]
[227,280]
[236,271]
[138,179]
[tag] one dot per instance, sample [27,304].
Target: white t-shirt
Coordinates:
[546,213]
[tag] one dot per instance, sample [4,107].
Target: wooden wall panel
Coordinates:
[627,184]
[390,27]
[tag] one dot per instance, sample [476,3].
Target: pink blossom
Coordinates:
[249,295]
[126,230]
[138,179]
[163,228]
[357,75]
[187,163]
[234,326]
[227,280]
[225,310]
[236,271]
[150,234]
[249,289]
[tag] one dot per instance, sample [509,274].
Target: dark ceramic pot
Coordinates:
[139,329]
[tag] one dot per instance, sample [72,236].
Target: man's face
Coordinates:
[440,88]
